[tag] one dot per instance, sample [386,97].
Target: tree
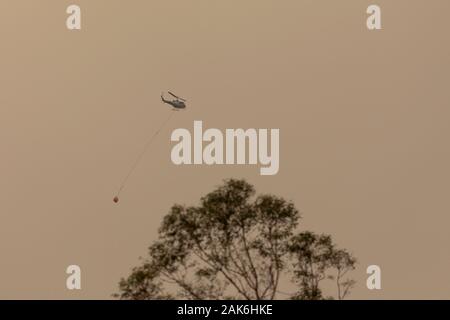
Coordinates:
[236,245]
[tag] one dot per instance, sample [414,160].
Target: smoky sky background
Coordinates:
[363,119]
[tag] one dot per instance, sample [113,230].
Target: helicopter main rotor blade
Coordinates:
[176,96]
[173,95]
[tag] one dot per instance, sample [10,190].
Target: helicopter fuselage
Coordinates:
[177,104]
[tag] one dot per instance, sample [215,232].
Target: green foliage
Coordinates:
[236,245]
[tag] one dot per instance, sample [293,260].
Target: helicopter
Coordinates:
[178,103]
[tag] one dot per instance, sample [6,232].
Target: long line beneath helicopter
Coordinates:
[139,157]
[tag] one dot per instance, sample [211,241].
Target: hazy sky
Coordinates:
[363,119]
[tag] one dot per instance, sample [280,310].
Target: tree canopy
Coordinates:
[236,245]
